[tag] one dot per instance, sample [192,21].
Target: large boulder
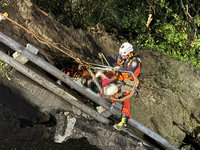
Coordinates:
[169,98]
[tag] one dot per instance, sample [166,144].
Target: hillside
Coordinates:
[169,97]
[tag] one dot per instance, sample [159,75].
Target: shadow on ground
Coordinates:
[19,128]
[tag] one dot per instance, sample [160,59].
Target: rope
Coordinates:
[132,92]
[84,63]
[124,98]
[102,56]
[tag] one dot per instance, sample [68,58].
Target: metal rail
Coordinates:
[86,92]
[52,87]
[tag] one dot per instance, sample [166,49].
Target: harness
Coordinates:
[131,58]
[123,61]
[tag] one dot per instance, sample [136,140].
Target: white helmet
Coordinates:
[110,89]
[125,48]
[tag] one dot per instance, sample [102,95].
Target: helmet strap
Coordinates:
[130,55]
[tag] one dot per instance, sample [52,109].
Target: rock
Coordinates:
[104,137]
[64,122]
[169,93]
[35,137]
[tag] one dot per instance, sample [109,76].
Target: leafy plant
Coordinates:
[4,4]
[3,70]
[174,28]
[176,41]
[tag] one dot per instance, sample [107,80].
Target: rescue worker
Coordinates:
[126,61]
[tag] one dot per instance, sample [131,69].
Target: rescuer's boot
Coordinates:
[123,124]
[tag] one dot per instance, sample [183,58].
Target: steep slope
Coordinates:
[169,98]
[76,43]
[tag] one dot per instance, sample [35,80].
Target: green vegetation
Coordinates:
[4,4]
[3,70]
[174,28]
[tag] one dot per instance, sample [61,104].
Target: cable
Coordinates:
[84,63]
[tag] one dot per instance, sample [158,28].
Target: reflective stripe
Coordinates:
[118,61]
[121,62]
[137,71]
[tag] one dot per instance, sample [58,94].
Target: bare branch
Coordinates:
[149,20]
[191,18]
[152,7]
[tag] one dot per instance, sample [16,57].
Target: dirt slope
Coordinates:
[169,98]
[76,43]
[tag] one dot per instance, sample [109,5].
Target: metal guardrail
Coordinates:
[81,89]
[52,87]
